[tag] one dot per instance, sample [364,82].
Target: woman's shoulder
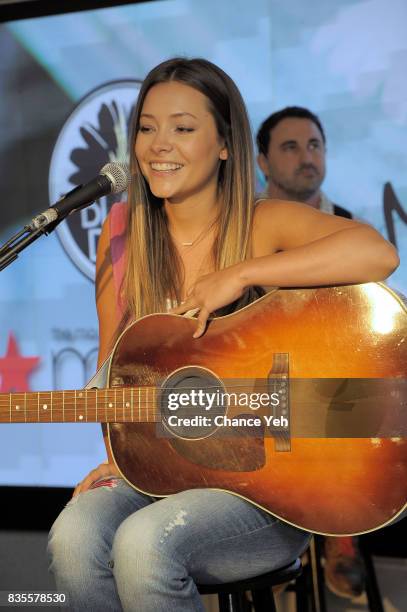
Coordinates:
[266,205]
[110,259]
[114,230]
[277,224]
[117,218]
[265,225]
[267,210]
[110,266]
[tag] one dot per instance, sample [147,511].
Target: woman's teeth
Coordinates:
[165,167]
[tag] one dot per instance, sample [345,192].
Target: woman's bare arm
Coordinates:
[295,245]
[105,295]
[106,305]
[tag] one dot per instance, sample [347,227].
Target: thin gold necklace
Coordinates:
[198,238]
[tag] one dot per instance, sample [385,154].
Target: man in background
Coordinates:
[292,149]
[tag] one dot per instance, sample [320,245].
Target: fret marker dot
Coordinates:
[81,417]
[45,406]
[110,405]
[80,395]
[17,407]
[127,404]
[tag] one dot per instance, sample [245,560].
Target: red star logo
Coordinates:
[15,369]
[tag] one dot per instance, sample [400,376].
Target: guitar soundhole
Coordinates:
[190,400]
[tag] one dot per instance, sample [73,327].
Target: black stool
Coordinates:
[231,595]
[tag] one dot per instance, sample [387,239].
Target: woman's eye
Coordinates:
[144,129]
[184,129]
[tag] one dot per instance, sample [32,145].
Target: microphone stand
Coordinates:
[40,225]
[9,251]
[80,197]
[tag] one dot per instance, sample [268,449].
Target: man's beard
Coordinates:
[297,188]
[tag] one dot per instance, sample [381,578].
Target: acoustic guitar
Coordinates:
[297,403]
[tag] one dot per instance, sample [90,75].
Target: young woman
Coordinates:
[193,240]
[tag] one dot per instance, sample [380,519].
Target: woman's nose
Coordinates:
[161,141]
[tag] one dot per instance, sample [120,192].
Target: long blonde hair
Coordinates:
[154,270]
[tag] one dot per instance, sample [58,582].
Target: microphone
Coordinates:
[113,178]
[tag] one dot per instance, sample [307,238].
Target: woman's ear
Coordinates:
[223,153]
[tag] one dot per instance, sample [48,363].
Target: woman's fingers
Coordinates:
[211,292]
[202,318]
[84,484]
[189,304]
[103,470]
[202,321]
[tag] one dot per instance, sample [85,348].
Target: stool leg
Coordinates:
[372,588]
[263,600]
[317,577]
[301,592]
[225,602]
[232,602]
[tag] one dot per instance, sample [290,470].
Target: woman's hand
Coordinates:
[102,471]
[211,292]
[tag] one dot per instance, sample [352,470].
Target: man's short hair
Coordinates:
[297,112]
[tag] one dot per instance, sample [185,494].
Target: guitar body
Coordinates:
[331,485]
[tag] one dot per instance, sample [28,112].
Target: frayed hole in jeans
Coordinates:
[110,482]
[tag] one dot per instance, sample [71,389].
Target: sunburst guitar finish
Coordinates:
[341,350]
[334,461]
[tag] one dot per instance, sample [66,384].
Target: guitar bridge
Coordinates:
[278,382]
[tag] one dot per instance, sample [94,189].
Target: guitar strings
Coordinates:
[74,405]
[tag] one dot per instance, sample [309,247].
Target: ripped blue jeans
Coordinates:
[113,548]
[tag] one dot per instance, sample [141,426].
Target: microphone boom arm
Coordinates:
[9,252]
[114,177]
[43,223]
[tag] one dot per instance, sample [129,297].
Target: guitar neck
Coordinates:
[119,404]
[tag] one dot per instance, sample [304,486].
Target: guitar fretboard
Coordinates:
[119,404]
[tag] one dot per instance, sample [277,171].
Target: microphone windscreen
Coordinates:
[119,175]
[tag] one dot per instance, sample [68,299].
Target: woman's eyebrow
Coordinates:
[183,113]
[180,114]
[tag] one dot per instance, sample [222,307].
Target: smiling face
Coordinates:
[295,161]
[178,147]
